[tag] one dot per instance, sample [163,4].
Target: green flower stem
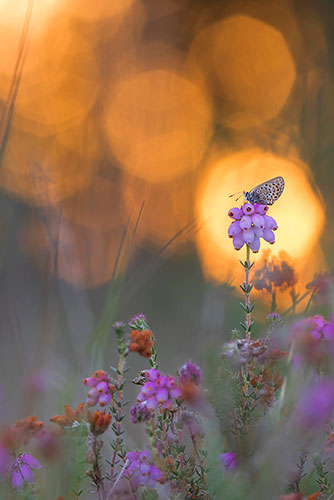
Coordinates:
[246,287]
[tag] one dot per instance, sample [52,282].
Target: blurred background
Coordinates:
[125,126]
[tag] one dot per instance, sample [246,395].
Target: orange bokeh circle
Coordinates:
[83,257]
[167,212]
[299,212]
[248,65]
[158,124]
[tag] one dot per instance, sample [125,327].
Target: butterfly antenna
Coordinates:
[231,195]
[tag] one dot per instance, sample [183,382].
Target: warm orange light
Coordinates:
[168,209]
[83,257]
[58,84]
[249,66]
[158,124]
[98,207]
[299,213]
[93,11]
[46,170]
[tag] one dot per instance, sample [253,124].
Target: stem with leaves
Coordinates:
[118,405]
[246,287]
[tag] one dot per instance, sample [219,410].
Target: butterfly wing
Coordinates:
[267,192]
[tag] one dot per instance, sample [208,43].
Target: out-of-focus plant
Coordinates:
[261,427]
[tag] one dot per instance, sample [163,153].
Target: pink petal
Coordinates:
[234,229]
[31,461]
[255,245]
[268,236]
[249,236]
[238,241]
[245,222]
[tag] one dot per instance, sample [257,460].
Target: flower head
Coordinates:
[142,342]
[275,273]
[143,472]
[140,413]
[316,405]
[99,422]
[314,339]
[228,460]
[139,322]
[158,390]
[101,388]
[189,372]
[250,224]
[21,470]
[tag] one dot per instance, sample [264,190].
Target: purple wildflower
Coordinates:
[101,388]
[139,322]
[140,413]
[22,470]
[250,224]
[228,460]
[143,473]
[316,406]
[189,372]
[158,389]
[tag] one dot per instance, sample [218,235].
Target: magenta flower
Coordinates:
[101,388]
[158,390]
[316,327]
[228,460]
[143,473]
[316,406]
[250,224]
[189,372]
[140,413]
[22,470]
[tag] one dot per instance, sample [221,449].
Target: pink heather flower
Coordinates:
[261,209]
[139,322]
[189,372]
[22,470]
[142,471]
[316,406]
[235,213]
[234,229]
[140,413]
[158,389]
[228,460]
[248,208]
[101,388]
[245,222]
[250,224]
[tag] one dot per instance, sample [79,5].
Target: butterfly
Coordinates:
[267,192]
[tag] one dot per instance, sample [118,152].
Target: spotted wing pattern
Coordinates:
[267,192]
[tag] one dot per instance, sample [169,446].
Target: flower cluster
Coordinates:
[139,322]
[316,406]
[313,339]
[143,473]
[140,413]
[189,372]
[101,388]
[228,460]
[275,273]
[99,422]
[250,224]
[158,390]
[142,342]
[22,470]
